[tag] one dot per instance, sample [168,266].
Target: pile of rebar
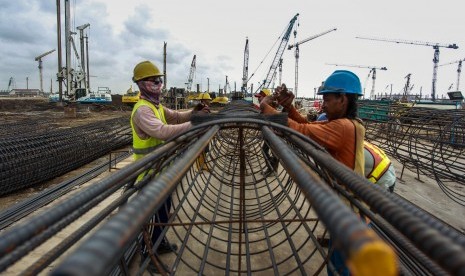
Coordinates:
[37,153]
[230,218]
[428,141]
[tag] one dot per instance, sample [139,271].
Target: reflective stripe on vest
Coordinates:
[140,146]
[381,162]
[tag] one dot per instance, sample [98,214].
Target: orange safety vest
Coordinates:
[381,162]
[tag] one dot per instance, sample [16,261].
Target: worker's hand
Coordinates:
[269,100]
[284,96]
[201,108]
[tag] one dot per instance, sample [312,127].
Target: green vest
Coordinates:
[143,146]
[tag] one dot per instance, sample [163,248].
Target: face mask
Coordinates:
[150,91]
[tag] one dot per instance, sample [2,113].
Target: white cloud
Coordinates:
[122,33]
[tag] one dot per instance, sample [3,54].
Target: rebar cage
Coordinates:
[228,217]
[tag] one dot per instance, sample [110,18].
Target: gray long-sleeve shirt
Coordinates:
[146,124]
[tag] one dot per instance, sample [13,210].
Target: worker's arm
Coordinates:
[331,135]
[177,117]
[148,125]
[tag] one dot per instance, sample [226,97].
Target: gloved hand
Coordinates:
[201,108]
[284,96]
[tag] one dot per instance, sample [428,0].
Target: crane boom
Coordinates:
[297,51]
[310,38]
[279,53]
[459,70]
[39,59]
[190,79]
[373,76]
[435,46]
[245,71]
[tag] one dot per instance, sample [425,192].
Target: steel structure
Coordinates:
[459,70]
[372,72]
[428,141]
[231,219]
[282,46]
[435,46]
[44,152]
[296,45]
[190,78]
[245,70]
[39,59]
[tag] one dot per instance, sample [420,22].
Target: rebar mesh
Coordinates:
[428,141]
[37,156]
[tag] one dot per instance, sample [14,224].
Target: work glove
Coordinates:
[200,108]
[283,96]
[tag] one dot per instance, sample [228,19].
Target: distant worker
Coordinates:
[261,95]
[152,124]
[204,104]
[378,167]
[274,161]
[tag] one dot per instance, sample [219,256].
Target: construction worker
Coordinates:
[273,164]
[342,134]
[152,124]
[204,104]
[261,95]
[378,167]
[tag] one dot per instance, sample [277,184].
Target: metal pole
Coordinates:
[60,63]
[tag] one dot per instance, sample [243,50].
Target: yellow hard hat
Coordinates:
[264,92]
[144,70]
[204,96]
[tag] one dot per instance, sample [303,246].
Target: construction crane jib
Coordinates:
[279,53]
[372,73]
[245,71]
[435,46]
[459,70]
[190,79]
[296,45]
[39,59]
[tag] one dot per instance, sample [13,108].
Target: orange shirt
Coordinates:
[338,137]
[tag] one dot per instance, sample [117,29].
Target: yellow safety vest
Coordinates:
[143,146]
[381,162]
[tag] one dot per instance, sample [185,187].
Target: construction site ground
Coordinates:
[422,191]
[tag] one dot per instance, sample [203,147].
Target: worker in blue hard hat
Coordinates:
[343,134]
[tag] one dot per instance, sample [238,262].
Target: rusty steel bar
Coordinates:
[428,141]
[230,218]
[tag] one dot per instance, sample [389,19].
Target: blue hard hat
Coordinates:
[342,81]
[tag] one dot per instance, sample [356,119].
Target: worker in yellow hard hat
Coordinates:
[261,95]
[152,124]
[204,104]
[273,162]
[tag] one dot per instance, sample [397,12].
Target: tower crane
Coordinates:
[39,59]
[245,71]
[296,45]
[435,46]
[190,78]
[459,70]
[279,54]
[372,72]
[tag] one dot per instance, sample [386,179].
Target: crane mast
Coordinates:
[190,79]
[459,70]
[245,71]
[279,53]
[296,45]
[372,73]
[39,59]
[435,46]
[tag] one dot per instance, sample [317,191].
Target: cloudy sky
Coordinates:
[123,33]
